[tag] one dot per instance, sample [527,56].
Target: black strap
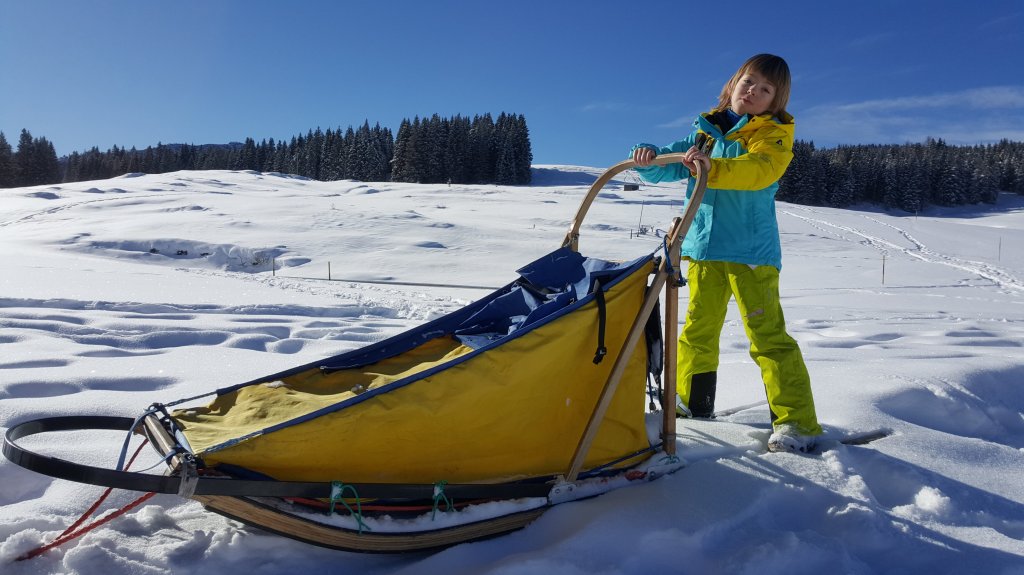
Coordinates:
[80,473]
[601,320]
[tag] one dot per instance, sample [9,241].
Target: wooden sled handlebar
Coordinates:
[572,238]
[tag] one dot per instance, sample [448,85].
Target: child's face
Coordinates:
[752,94]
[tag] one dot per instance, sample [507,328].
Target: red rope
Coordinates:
[70,533]
[76,534]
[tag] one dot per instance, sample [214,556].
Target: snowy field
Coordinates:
[115,294]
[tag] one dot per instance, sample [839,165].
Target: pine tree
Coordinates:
[362,165]
[345,145]
[524,151]
[261,156]
[839,180]
[247,159]
[49,166]
[436,138]
[505,170]
[986,183]
[7,173]
[808,184]
[132,164]
[297,155]
[948,186]
[482,149]
[506,167]
[386,143]
[804,177]
[23,173]
[1017,178]
[278,159]
[421,146]
[401,165]
[35,162]
[910,197]
[456,154]
[311,154]
[893,180]
[514,156]
[330,166]
[381,153]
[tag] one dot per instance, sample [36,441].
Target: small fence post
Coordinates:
[883,269]
[328,271]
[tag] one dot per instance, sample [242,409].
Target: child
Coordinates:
[733,247]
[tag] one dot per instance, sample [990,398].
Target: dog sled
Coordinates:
[466,427]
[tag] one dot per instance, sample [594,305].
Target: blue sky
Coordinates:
[592,78]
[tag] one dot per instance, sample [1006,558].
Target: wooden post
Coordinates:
[668,396]
[273,267]
[883,269]
[328,270]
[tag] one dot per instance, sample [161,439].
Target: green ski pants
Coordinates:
[786,381]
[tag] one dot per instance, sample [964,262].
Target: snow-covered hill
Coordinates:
[118,293]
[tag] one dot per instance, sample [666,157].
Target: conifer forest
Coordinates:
[428,150]
[482,150]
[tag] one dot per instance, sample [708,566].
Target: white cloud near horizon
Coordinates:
[1004,97]
[1001,20]
[605,107]
[680,122]
[872,40]
[967,117]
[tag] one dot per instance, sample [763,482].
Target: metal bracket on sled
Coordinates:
[189,477]
[666,464]
[562,492]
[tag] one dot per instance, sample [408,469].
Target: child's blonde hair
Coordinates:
[775,70]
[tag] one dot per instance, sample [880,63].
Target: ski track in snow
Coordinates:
[100,332]
[917,249]
[76,204]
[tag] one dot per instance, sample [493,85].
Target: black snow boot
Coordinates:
[702,394]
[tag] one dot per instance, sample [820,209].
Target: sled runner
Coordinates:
[466,427]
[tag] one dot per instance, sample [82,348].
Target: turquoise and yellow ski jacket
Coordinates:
[736,221]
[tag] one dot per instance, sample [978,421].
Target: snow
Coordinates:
[108,304]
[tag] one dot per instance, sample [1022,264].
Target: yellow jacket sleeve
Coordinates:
[769,151]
